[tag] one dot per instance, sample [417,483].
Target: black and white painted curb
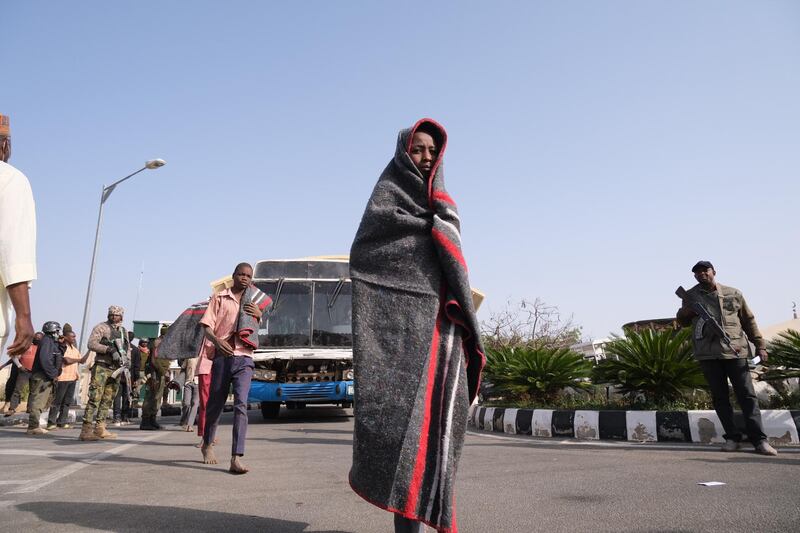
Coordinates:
[780,425]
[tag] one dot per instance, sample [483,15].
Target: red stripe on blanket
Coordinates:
[422,451]
[244,336]
[194,311]
[263,305]
[448,245]
[443,196]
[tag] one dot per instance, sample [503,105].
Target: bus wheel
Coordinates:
[347,405]
[270,410]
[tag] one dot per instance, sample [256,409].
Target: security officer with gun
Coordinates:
[157,376]
[109,341]
[723,326]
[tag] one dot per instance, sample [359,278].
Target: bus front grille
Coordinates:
[311,391]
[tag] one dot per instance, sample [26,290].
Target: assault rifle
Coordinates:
[121,356]
[706,318]
[14,360]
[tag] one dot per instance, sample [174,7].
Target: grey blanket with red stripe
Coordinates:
[184,338]
[417,354]
[247,325]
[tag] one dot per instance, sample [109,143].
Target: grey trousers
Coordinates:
[23,378]
[62,398]
[191,399]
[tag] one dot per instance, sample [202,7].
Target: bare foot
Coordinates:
[237,467]
[200,444]
[209,457]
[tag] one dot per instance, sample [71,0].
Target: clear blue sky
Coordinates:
[597,149]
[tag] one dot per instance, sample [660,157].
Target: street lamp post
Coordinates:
[149,165]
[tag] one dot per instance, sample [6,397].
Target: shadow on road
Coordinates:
[298,440]
[135,518]
[332,431]
[193,462]
[754,459]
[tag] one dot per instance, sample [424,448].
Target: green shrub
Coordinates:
[524,373]
[657,364]
[597,402]
[790,400]
[784,356]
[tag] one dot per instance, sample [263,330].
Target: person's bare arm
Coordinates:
[69,359]
[23,337]
[221,344]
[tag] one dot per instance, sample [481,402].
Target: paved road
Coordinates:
[154,481]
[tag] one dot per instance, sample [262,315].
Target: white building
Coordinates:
[594,349]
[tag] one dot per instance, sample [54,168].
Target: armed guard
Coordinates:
[724,327]
[157,376]
[109,341]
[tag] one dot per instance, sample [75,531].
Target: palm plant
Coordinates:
[536,373]
[658,364]
[784,352]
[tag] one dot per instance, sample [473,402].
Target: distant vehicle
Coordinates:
[305,343]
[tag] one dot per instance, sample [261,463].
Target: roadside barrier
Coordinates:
[781,426]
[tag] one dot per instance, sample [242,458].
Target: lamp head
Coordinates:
[155,163]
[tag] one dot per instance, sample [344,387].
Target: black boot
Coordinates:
[147,424]
[155,424]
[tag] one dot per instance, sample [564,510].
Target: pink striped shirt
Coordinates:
[221,316]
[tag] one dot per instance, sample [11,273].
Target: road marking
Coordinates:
[609,444]
[43,453]
[52,477]
[14,481]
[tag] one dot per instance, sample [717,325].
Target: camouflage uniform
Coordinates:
[158,369]
[102,390]
[41,391]
[103,387]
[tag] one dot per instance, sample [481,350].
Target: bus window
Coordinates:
[289,321]
[332,308]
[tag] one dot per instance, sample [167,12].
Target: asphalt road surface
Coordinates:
[298,483]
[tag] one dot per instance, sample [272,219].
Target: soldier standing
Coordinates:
[157,370]
[721,361]
[109,341]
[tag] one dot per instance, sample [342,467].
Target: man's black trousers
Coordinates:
[717,372]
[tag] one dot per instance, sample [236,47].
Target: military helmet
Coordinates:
[51,327]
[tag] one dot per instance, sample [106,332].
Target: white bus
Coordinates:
[305,343]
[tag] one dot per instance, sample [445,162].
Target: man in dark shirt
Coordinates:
[721,361]
[46,368]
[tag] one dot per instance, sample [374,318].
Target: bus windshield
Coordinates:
[306,313]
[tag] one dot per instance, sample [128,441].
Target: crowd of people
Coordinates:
[414,328]
[122,367]
[50,369]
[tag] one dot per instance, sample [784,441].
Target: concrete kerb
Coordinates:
[781,426]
